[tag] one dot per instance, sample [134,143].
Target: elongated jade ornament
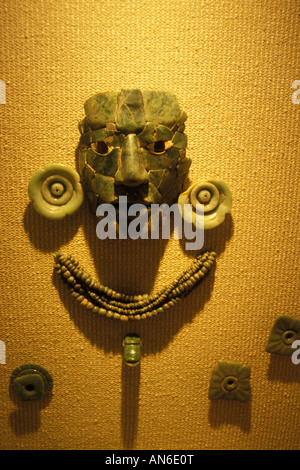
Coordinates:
[132,350]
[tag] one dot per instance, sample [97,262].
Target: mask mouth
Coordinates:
[123,210]
[130,203]
[138,195]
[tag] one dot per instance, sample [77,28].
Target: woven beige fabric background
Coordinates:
[232,64]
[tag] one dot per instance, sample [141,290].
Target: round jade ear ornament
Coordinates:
[214,195]
[56,191]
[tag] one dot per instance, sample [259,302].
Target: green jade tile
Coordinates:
[99,135]
[100,109]
[180,140]
[161,107]
[103,185]
[147,136]
[130,114]
[284,332]
[104,164]
[163,133]
[230,381]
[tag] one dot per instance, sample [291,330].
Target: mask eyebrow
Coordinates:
[163,133]
[99,134]
[154,132]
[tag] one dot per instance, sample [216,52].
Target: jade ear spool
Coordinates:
[132,144]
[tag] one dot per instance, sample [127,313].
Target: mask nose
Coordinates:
[131,171]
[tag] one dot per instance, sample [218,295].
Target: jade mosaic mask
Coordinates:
[132,144]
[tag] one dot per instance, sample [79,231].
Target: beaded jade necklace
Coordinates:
[107,302]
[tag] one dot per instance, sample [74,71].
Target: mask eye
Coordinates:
[159,147]
[100,147]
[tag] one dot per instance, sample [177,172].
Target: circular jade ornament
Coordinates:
[31,382]
[215,197]
[56,191]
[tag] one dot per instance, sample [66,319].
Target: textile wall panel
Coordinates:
[231,65]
